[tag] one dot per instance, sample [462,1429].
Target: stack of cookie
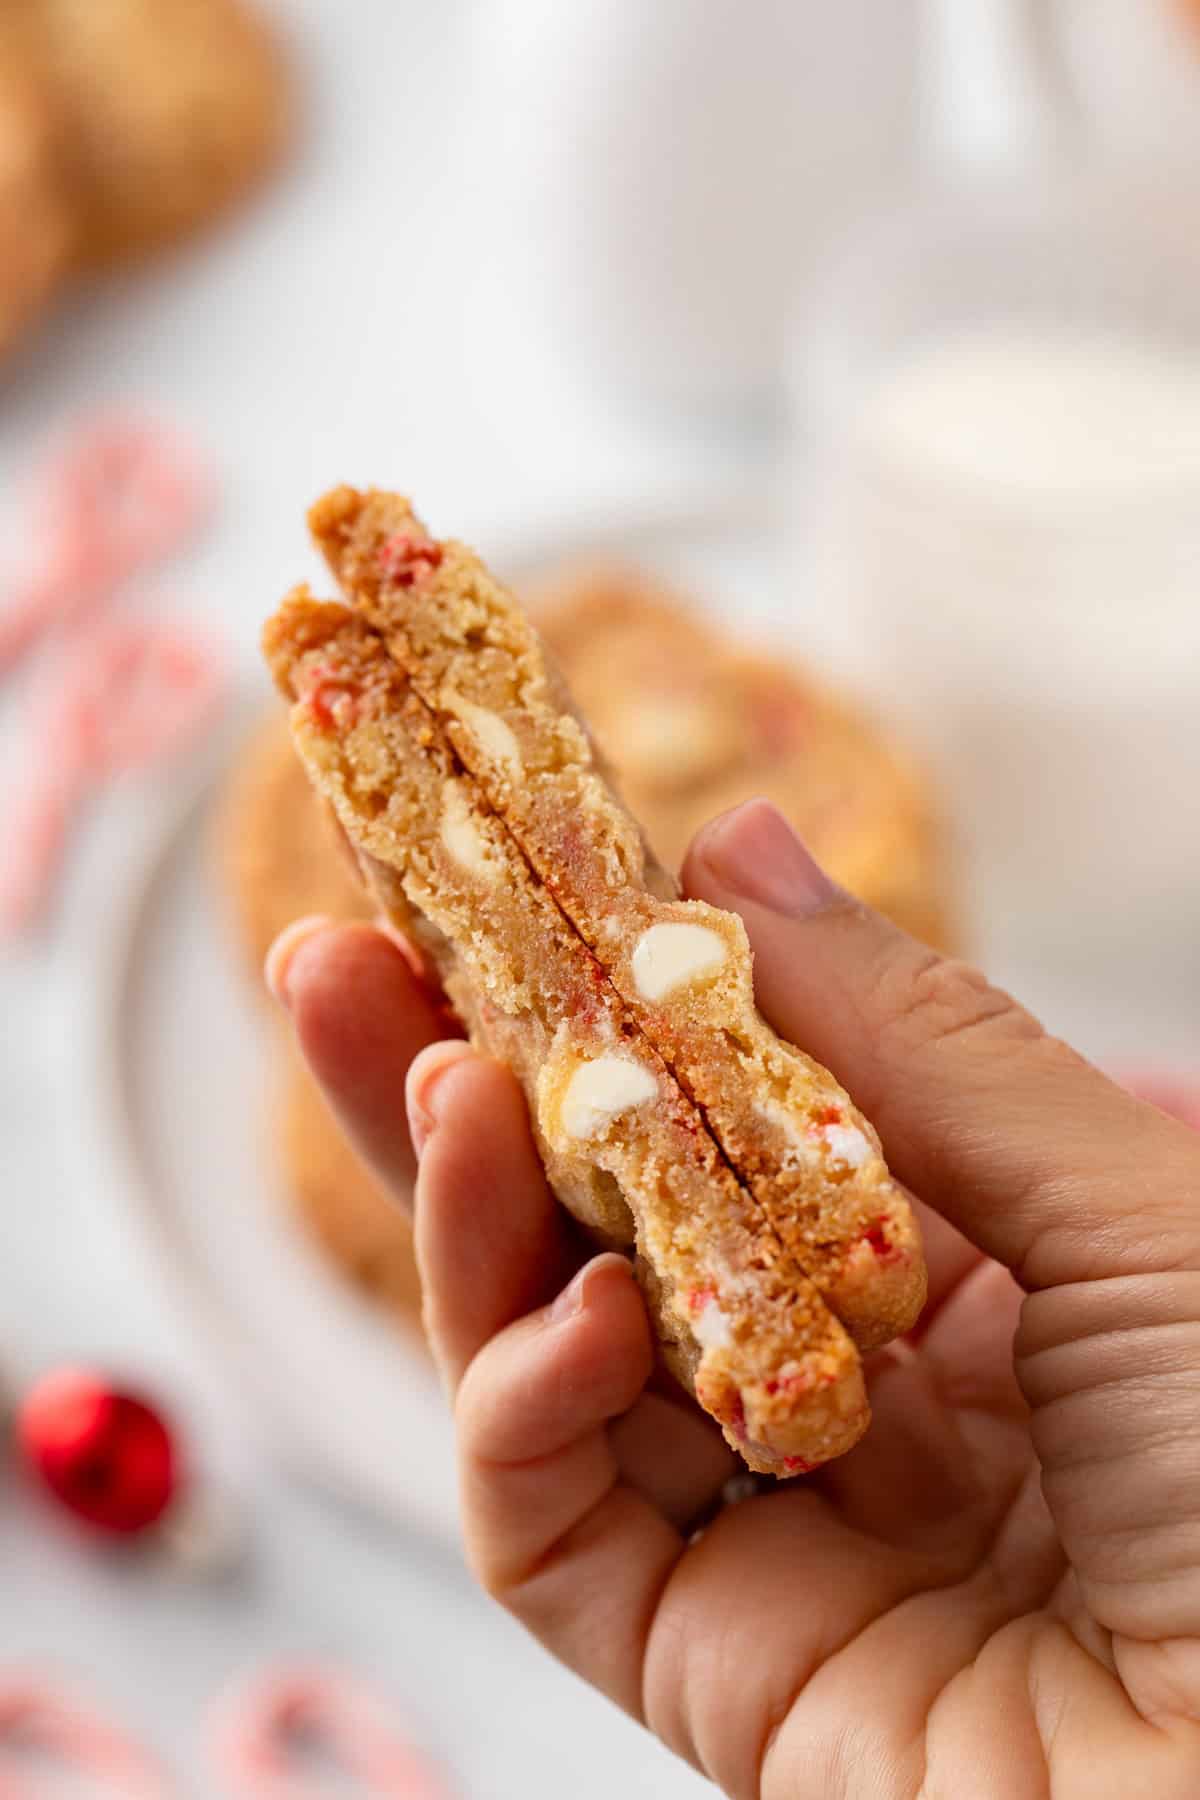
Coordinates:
[124,125]
[692,724]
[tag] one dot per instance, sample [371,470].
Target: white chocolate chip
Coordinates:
[843,1143]
[846,1144]
[711,1328]
[463,840]
[601,1089]
[671,955]
[492,733]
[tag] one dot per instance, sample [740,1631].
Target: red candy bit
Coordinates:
[590,989]
[796,1465]
[876,1235]
[828,1115]
[724,1402]
[583,1005]
[403,558]
[332,697]
[102,1453]
[699,1297]
[326,701]
[596,974]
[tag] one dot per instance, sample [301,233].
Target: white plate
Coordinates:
[349,1398]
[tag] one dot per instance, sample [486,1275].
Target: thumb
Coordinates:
[1013,1137]
[1088,1195]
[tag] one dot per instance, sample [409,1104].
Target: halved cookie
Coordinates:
[807,1157]
[626,1145]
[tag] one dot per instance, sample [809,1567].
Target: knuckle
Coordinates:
[942,998]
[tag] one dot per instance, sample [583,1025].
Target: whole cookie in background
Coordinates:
[693,724]
[36,219]
[277,855]
[339,1201]
[170,110]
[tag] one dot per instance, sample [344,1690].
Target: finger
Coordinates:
[360,1016]
[492,1242]
[949,1437]
[1038,1158]
[949,1259]
[673,1454]
[911,1481]
[551,1529]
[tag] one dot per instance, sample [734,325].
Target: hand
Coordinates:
[997,1593]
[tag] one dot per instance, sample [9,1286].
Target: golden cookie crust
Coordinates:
[37,224]
[170,109]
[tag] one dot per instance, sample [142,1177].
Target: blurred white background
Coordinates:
[461,286]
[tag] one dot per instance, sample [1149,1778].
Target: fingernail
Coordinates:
[574,1296]
[754,852]
[282,953]
[421,1089]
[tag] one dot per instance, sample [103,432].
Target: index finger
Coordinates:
[1017,1140]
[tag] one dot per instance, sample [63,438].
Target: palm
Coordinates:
[874,1620]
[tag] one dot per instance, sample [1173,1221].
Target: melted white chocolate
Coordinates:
[711,1328]
[600,1090]
[461,836]
[492,733]
[673,955]
[846,1144]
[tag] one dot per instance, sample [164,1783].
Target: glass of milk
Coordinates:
[1000,392]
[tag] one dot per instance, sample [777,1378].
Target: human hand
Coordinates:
[997,1592]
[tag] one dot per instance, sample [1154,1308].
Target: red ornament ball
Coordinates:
[104,1454]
